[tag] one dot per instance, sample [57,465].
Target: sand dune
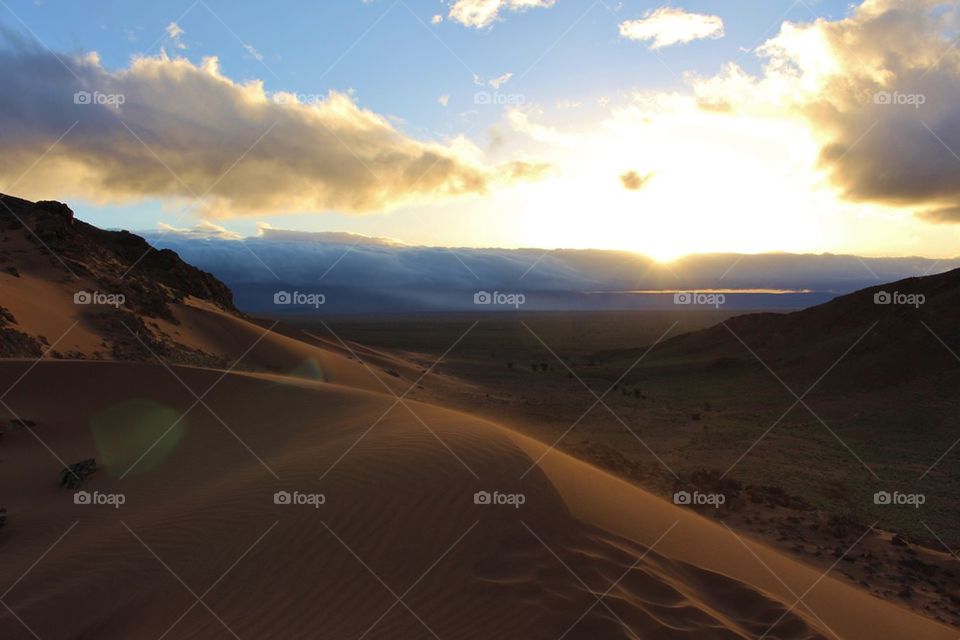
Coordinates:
[398,521]
[276,348]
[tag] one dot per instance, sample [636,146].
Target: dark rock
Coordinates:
[152,278]
[72,477]
[17,344]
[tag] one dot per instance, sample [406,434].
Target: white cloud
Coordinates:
[499,81]
[483,13]
[203,229]
[268,232]
[668,26]
[495,83]
[256,55]
[174,33]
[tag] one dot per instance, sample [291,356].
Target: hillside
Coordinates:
[69,290]
[56,270]
[897,342]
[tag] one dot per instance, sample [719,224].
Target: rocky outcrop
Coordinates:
[14,343]
[45,240]
[72,476]
[122,261]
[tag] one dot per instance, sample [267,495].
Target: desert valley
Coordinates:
[256,478]
[480,320]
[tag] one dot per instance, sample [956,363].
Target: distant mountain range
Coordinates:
[348,273]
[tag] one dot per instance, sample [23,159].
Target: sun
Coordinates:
[714,185]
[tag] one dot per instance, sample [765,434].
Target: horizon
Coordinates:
[322,236]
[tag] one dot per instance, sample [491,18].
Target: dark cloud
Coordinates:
[880,92]
[166,127]
[634,181]
[942,216]
[889,111]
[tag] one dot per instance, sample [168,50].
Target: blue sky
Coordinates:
[568,62]
[398,67]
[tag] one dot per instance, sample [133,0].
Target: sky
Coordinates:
[661,128]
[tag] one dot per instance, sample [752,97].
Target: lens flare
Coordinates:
[136,435]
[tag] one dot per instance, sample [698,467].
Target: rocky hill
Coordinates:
[113,284]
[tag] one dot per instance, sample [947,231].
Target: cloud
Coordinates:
[668,26]
[499,81]
[267,232]
[879,90]
[168,128]
[633,181]
[206,230]
[174,33]
[256,55]
[483,13]
[942,216]
[495,82]
[203,229]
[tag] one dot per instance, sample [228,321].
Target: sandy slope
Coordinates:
[43,306]
[159,306]
[280,349]
[399,521]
